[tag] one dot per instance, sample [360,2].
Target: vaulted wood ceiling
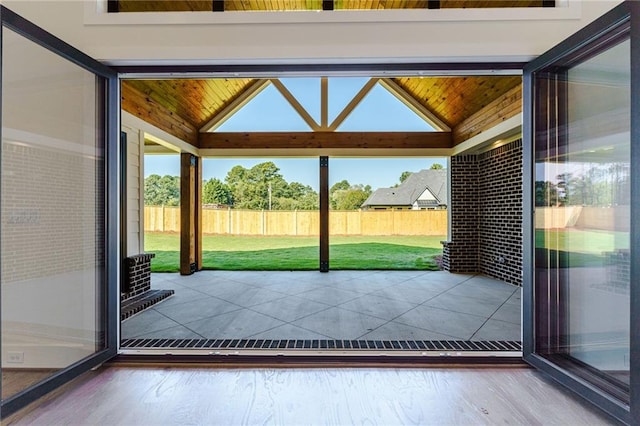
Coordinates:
[186,108]
[285,5]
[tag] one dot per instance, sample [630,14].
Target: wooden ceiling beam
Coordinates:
[145,108]
[413,104]
[352,104]
[233,107]
[499,110]
[325,140]
[297,106]
[324,102]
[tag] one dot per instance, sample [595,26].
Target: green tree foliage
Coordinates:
[404,176]
[436,166]
[344,196]
[343,184]
[214,191]
[546,194]
[262,186]
[600,185]
[162,190]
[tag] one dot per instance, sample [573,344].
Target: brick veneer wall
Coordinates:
[52,211]
[500,214]
[486,214]
[138,275]
[461,251]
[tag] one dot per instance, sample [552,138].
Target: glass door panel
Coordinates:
[580,301]
[55,270]
[583,222]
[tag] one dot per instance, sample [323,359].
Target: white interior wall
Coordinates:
[305,37]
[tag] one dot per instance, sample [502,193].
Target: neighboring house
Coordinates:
[424,190]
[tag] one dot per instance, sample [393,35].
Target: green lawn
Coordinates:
[299,253]
[574,248]
[581,241]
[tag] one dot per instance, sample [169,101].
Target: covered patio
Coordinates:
[476,123]
[341,305]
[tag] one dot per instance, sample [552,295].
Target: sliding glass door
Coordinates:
[582,143]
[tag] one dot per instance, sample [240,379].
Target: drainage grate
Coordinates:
[328,345]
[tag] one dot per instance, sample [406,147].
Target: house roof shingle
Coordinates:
[408,191]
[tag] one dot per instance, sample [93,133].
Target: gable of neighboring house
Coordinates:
[426,189]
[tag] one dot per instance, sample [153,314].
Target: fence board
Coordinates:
[302,223]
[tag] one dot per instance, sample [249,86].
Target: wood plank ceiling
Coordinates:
[286,5]
[184,106]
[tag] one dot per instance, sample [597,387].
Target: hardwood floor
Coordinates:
[17,380]
[331,396]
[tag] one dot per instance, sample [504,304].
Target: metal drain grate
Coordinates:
[294,344]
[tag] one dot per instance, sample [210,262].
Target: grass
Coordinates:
[571,248]
[581,241]
[299,253]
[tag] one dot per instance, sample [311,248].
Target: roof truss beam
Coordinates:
[297,106]
[352,105]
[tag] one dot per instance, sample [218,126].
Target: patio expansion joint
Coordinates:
[431,298]
[494,312]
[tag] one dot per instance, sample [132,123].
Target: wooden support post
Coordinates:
[188,214]
[113,6]
[198,213]
[324,214]
[217,5]
[328,5]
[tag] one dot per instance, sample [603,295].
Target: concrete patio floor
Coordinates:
[383,305]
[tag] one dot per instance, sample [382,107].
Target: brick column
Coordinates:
[460,253]
[138,276]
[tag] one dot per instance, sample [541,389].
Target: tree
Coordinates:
[214,191]
[343,184]
[436,166]
[546,194]
[263,187]
[162,191]
[351,198]
[404,176]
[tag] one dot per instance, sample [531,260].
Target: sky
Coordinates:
[269,111]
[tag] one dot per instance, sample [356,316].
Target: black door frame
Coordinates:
[110,120]
[592,38]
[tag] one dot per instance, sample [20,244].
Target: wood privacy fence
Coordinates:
[302,222]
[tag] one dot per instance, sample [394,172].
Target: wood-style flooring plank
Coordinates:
[309,396]
[17,380]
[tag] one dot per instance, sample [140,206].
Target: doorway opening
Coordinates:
[405,293]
